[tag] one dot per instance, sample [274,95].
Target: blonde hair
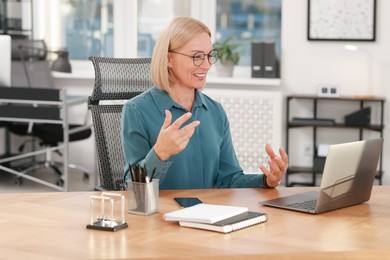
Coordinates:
[179,32]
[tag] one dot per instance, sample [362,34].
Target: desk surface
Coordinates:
[53,225]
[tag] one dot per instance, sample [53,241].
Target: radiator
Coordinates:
[255,118]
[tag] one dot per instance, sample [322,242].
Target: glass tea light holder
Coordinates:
[107,212]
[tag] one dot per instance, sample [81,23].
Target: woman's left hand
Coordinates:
[277,166]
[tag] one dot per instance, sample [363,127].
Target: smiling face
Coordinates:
[182,67]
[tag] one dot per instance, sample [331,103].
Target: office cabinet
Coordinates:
[16,18]
[361,122]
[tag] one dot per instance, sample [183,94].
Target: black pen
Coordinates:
[145,174]
[137,173]
[131,173]
[153,173]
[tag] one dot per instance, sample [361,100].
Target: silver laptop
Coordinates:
[347,180]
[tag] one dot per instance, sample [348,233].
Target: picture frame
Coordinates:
[341,20]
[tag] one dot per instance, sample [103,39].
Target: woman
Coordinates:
[179,131]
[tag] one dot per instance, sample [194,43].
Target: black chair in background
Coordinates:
[116,81]
[30,109]
[30,68]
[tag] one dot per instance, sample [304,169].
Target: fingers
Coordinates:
[275,169]
[175,125]
[284,155]
[273,175]
[168,119]
[269,151]
[277,166]
[172,139]
[181,120]
[283,163]
[266,171]
[184,134]
[272,179]
[190,128]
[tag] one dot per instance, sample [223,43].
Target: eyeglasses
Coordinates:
[199,57]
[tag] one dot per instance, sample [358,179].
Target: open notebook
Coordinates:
[347,179]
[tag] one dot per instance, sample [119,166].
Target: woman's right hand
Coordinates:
[172,139]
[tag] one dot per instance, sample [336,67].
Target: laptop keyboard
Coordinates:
[310,204]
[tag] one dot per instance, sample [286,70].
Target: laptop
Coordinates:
[347,180]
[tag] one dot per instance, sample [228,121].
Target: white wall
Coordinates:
[305,64]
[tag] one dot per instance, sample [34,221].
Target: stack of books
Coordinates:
[218,218]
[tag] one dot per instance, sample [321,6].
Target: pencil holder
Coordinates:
[143,197]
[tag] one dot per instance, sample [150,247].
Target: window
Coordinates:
[249,21]
[124,28]
[153,15]
[87,28]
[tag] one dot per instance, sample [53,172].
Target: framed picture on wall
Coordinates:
[341,20]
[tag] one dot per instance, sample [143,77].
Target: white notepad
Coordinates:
[237,222]
[204,213]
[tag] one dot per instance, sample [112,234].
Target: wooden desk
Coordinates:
[53,225]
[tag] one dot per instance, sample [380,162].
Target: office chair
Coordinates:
[26,109]
[29,60]
[49,136]
[116,81]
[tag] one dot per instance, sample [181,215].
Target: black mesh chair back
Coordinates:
[116,81]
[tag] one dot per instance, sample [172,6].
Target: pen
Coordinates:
[134,171]
[153,173]
[143,174]
[138,173]
[131,173]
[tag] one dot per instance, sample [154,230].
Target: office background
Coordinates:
[304,66]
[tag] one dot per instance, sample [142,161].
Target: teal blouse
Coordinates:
[208,161]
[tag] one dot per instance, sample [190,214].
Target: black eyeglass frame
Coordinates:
[209,56]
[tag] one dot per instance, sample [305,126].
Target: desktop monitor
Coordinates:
[5,58]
